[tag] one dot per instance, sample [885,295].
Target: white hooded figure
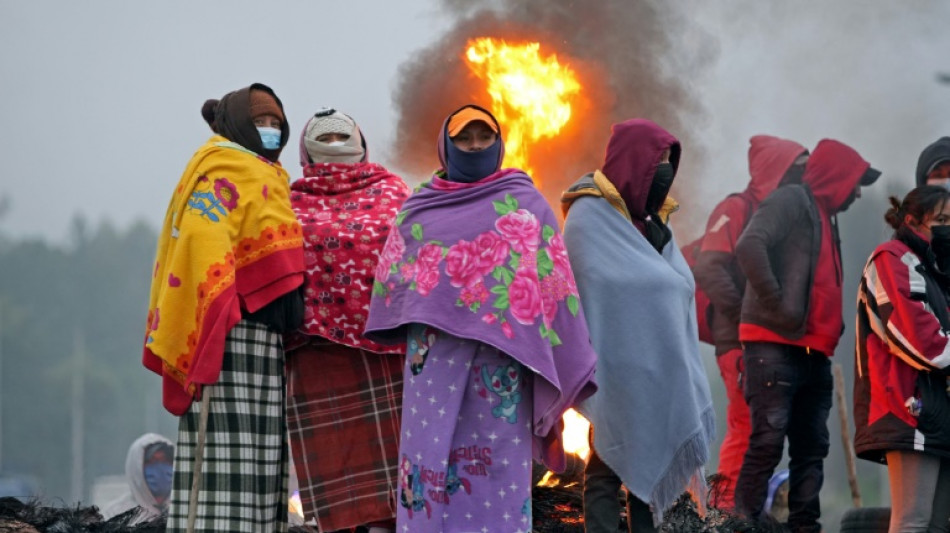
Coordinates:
[148,469]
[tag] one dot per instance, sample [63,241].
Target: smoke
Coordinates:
[629,62]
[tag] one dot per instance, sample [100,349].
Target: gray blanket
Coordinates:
[652,415]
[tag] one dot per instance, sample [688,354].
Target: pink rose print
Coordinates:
[489,319]
[427,278]
[462,264]
[524,296]
[558,253]
[391,254]
[555,286]
[529,262]
[407,271]
[430,254]
[506,329]
[548,306]
[521,229]
[492,251]
[475,293]
[394,248]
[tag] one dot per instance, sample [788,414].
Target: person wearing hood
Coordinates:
[902,357]
[148,469]
[224,288]
[652,417]
[789,326]
[933,165]
[344,394]
[474,277]
[772,161]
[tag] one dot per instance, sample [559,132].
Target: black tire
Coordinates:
[866,520]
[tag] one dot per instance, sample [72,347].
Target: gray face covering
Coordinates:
[348,151]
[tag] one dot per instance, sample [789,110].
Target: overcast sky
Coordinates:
[102,98]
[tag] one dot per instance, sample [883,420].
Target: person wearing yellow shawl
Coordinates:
[224,288]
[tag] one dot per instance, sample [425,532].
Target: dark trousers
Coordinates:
[789,394]
[602,501]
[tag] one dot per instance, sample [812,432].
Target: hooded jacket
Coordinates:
[139,494]
[633,154]
[642,317]
[790,257]
[938,151]
[900,340]
[716,270]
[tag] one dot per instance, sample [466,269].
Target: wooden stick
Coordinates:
[846,436]
[199,457]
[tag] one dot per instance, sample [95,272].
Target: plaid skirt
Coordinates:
[244,470]
[343,407]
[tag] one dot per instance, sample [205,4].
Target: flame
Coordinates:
[576,428]
[294,505]
[531,95]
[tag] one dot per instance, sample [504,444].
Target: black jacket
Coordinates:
[784,234]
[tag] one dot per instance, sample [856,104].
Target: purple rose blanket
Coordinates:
[477,278]
[487,262]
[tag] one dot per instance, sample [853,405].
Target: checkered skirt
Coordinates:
[343,408]
[244,470]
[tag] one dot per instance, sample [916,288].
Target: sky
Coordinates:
[102,98]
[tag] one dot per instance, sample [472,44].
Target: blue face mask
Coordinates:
[270,138]
[468,167]
[158,477]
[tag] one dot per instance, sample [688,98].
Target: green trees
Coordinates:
[71,325]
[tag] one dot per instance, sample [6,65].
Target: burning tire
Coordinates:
[866,520]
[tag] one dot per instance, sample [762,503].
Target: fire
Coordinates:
[294,505]
[531,95]
[576,428]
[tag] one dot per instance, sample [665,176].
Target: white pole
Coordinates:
[78,412]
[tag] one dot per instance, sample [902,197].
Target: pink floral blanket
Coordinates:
[486,262]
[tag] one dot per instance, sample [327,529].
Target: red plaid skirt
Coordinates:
[343,409]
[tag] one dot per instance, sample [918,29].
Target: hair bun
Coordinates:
[207,112]
[894,217]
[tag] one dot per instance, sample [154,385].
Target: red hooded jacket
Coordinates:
[716,271]
[789,254]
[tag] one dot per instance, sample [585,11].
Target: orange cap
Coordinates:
[469,114]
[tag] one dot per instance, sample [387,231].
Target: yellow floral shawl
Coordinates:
[230,241]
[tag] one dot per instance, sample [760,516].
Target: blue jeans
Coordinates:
[789,394]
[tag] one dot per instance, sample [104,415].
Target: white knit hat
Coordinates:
[352,150]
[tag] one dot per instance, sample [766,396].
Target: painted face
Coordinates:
[474,137]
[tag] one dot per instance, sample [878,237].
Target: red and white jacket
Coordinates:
[898,337]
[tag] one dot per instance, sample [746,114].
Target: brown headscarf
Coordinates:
[231,117]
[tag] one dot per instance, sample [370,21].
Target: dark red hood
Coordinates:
[834,169]
[769,158]
[633,153]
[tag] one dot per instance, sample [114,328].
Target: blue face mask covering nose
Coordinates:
[468,167]
[158,477]
[270,138]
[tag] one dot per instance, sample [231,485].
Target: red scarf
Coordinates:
[346,210]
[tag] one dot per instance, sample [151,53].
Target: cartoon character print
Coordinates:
[505,382]
[420,339]
[411,490]
[453,482]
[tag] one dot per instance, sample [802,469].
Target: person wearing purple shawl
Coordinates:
[476,278]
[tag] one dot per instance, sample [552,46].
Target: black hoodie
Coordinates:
[938,151]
